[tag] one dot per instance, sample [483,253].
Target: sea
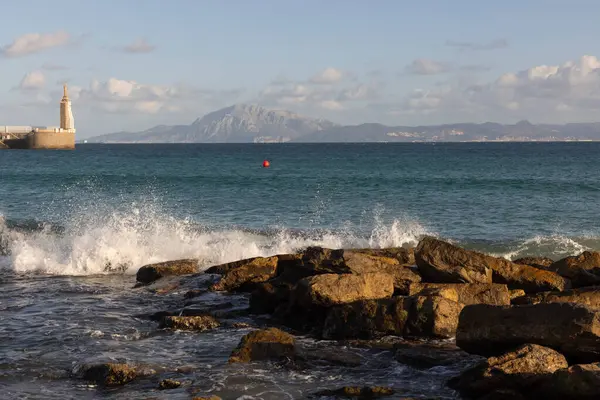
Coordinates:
[68,218]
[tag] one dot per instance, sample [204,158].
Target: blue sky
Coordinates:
[133,64]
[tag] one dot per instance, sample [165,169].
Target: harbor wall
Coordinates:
[51,140]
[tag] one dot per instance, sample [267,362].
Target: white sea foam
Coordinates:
[553,246]
[143,234]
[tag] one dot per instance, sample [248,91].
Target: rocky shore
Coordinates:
[523,329]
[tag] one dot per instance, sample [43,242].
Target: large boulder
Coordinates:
[268,296]
[537,262]
[198,323]
[425,355]
[582,270]
[588,296]
[432,316]
[442,262]
[467,293]
[110,374]
[528,278]
[243,275]
[405,256]
[367,319]
[152,272]
[571,329]
[264,344]
[521,370]
[578,382]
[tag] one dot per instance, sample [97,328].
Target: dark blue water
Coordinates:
[71,213]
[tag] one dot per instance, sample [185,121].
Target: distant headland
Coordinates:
[43,137]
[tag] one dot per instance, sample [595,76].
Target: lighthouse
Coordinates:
[66,115]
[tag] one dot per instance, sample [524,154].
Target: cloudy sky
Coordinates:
[133,64]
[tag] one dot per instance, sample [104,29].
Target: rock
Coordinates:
[243,275]
[582,270]
[267,296]
[578,382]
[537,262]
[432,316]
[405,256]
[206,398]
[357,392]
[264,344]
[528,278]
[191,323]
[110,374]
[152,272]
[428,355]
[588,296]
[403,278]
[520,370]
[367,319]
[442,262]
[516,293]
[466,293]
[168,384]
[571,329]
[503,394]
[327,290]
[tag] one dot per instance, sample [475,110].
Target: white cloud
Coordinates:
[423,66]
[139,46]
[34,42]
[34,80]
[327,76]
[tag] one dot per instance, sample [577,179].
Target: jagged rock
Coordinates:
[528,278]
[537,262]
[244,274]
[582,270]
[268,296]
[521,370]
[264,344]
[432,316]
[516,293]
[327,290]
[110,374]
[192,323]
[405,256]
[442,262]
[152,272]
[367,319]
[588,296]
[168,384]
[356,392]
[571,329]
[466,293]
[578,382]
[428,355]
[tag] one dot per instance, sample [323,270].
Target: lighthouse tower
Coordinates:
[66,115]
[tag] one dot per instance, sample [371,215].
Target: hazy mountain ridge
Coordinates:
[245,123]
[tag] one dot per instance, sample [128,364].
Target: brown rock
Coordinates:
[357,392]
[516,293]
[206,398]
[578,382]
[327,290]
[405,256]
[191,323]
[466,293]
[152,272]
[537,262]
[442,262]
[582,270]
[425,355]
[571,329]
[243,275]
[264,344]
[168,384]
[520,370]
[367,319]
[587,296]
[528,278]
[432,316]
[110,374]
[269,295]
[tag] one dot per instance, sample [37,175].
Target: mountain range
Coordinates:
[247,123]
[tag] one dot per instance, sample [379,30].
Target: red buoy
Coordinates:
[266,164]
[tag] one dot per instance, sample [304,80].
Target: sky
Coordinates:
[134,64]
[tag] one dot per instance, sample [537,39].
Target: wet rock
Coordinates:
[241,325]
[356,392]
[432,316]
[191,323]
[243,275]
[327,290]
[516,293]
[267,296]
[168,384]
[206,398]
[578,382]
[152,272]
[537,262]
[329,356]
[582,270]
[528,278]
[110,374]
[587,296]
[466,293]
[190,294]
[571,329]
[264,344]
[442,262]
[425,355]
[367,319]
[521,370]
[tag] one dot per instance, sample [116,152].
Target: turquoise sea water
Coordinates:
[66,215]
